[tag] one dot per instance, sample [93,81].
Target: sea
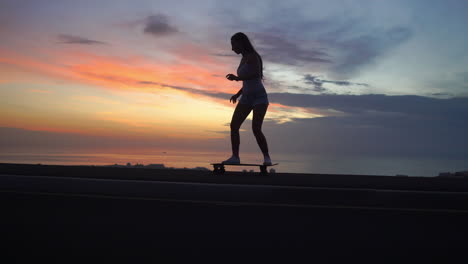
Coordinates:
[288,162]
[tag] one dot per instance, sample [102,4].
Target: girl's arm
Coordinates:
[234,97]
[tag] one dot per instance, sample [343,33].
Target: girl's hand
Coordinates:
[232,77]
[233,98]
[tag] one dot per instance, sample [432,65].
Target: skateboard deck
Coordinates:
[218,168]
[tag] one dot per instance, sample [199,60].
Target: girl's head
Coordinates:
[241,44]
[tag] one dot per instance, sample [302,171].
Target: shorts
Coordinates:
[253,100]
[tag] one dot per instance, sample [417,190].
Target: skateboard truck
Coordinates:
[218,168]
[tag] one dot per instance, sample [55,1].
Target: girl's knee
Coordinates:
[234,127]
[257,130]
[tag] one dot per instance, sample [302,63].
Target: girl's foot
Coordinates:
[232,160]
[267,161]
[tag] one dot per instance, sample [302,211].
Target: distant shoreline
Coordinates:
[445,183]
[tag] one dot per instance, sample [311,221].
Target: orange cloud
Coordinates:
[33,65]
[132,73]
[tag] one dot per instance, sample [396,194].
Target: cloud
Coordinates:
[129,81]
[69,39]
[341,45]
[318,83]
[374,125]
[371,135]
[278,49]
[441,94]
[424,107]
[158,25]
[447,84]
[315,81]
[215,95]
[339,39]
[306,90]
[364,49]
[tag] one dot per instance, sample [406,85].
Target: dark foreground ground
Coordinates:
[65,213]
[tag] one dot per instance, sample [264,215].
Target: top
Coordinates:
[253,91]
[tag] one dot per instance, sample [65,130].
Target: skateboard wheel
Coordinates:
[218,169]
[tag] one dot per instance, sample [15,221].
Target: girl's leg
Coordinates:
[239,116]
[259,112]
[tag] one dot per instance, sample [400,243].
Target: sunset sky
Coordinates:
[369,77]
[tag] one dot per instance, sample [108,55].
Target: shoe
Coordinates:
[232,160]
[267,161]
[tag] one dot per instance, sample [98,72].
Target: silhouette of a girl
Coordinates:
[254,96]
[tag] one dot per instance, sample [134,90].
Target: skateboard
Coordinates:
[218,168]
